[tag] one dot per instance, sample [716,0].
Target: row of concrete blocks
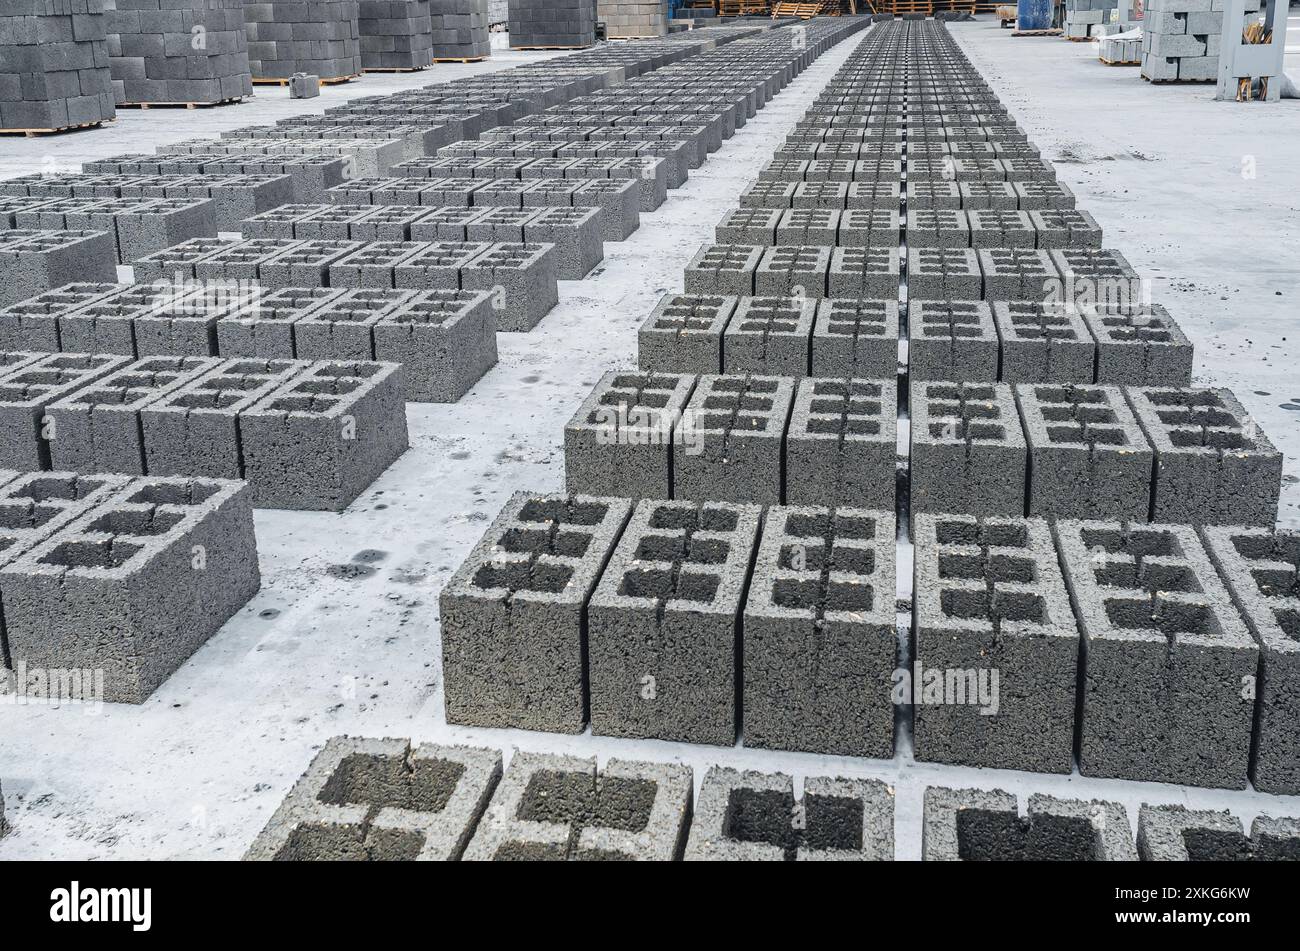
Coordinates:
[1011,341]
[311,174]
[137,226]
[633,18]
[692,622]
[54,67]
[304,434]
[388,800]
[926,228]
[460,29]
[445,340]
[681,147]
[894,126]
[321,38]
[1059,276]
[33,261]
[521,276]
[813,157]
[619,200]
[575,232]
[366,151]
[236,197]
[1000,196]
[928,167]
[173,53]
[116,581]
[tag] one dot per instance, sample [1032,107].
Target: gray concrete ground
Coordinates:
[343,637]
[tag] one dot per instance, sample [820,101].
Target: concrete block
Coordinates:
[770,335]
[855,338]
[943,274]
[682,335]
[952,340]
[871,273]
[1174,833]
[445,341]
[1043,343]
[841,443]
[1139,349]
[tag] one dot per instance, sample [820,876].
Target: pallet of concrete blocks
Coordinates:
[460,30]
[135,584]
[628,19]
[750,816]
[381,800]
[996,646]
[820,648]
[968,450]
[178,51]
[550,808]
[395,35]
[1214,465]
[34,261]
[320,38]
[1259,567]
[138,226]
[514,616]
[1081,16]
[54,66]
[1181,39]
[1175,833]
[663,624]
[1169,668]
[1088,457]
[552,24]
[841,445]
[734,437]
[978,825]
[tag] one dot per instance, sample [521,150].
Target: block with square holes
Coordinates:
[1174,833]
[321,437]
[376,800]
[513,617]
[1214,464]
[683,334]
[842,443]
[1065,228]
[1169,666]
[1260,568]
[522,278]
[1043,343]
[798,271]
[1020,274]
[437,265]
[134,585]
[263,326]
[445,341]
[1093,276]
[750,816]
[1088,458]
[977,825]
[968,449]
[576,234]
[724,269]
[1042,196]
[1142,348]
[857,273]
[341,327]
[29,388]
[952,340]
[938,228]
[996,647]
[808,227]
[734,430]
[855,338]
[820,646]
[620,440]
[769,335]
[663,624]
[943,274]
[34,261]
[182,321]
[550,807]
[996,228]
[86,321]
[33,324]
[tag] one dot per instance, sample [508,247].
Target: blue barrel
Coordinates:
[1033,14]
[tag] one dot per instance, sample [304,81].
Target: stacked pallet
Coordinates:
[460,30]
[177,51]
[1081,16]
[1180,39]
[554,24]
[53,65]
[633,18]
[395,34]
[321,38]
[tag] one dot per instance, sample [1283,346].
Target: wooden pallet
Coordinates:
[1035,32]
[551,47]
[1119,62]
[330,81]
[460,59]
[394,69]
[1079,39]
[32,133]
[1177,82]
[179,105]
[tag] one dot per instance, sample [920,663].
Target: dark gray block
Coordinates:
[522,278]
[724,269]
[1043,343]
[445,340]
[841,446]
[264,327]
[770,335]
[943,274]
[28,389]
[1139,349]
[952,340]
[33,324]
[682,335]
[1175,833]
[1023,274]
[32,262]
[855,338]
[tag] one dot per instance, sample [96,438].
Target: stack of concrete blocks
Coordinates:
[54,65]
[976,825]
[134,585]
[1180,39]
[633,18]
[751,816]
[381,800]
[322,38]
[1082,16]
[1175,833]
[460,30]
[395,34]
[33,261]
[178,51]
[138,226]
[1117,50]
[552,23]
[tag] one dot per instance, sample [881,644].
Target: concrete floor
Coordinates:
[343,637]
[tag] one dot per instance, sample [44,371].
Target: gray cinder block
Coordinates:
[1169,668]
[1043,343]
[1174,833]
[664,621]
[32,262]
[1142,349]
[522,279]
[28,389]
[381,800]
[750,816]
[796,271]
[33,325]
[682,335]
[855,338]
[823,589]
[858,273]
[943,274]
[724,269]
[550,807]
[513,617]
[952,340]
[264,326]
[841,446]
[1022,274]
[620,440]
[1088,458]
[995,648]
[445,340]
[770,335]
[976,825]
[1214,464]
